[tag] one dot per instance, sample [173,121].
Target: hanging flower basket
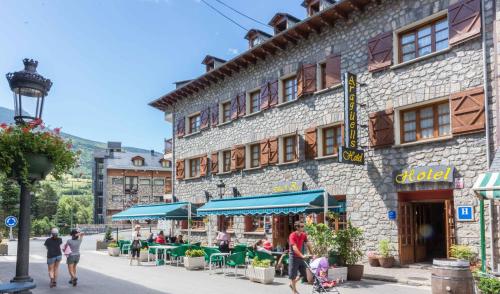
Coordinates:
[39,166]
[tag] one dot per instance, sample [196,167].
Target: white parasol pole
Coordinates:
[325,206]
[189,222]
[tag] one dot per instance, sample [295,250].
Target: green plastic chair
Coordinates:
[178,253]
[263,255]
[235,260]
[240,248]
[124,246]
[212,260]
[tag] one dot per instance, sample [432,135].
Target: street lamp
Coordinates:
[222,187]
[30,89]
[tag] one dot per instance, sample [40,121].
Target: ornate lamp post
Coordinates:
[222,188]
[30,89]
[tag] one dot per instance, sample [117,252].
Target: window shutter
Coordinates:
[333,75]
[242,104]
[311,148]
[204,118]
[180,127]
[273,93]
[467,111]
[248,223]
[184,224]
[264,152]
[179,169]
[214,114]
[464,20]
[238,157]
[203,166]
[381,128]
[214,161]
[234,107]
[380,52]
[264,96]
[309,79]
[273,150]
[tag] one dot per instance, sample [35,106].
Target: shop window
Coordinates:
[332,139]
[194,167]
[198,225]
[289,89]
[226,111]
[289,147]
[254,155]
[255,223]
[194,123]
[158,199]
[226,161]
[117,181]
[144,182]
[159,182]
[254,100]
[423,39]
[426,122]
[225,222]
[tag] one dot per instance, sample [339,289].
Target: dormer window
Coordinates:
[138,161]
[165,163]
[212,62]
[282,21]
[256,37]
[313,8]
[280,27]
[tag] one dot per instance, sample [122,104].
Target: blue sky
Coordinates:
[109,58]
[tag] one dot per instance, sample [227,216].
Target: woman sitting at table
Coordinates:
[259,246]
[223,239]
[179,240]
[150,238]
[160,239]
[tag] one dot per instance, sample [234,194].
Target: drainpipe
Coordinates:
[487,125]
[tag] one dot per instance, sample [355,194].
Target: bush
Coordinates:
[113,245]
[489,285]
[462,252]
[384,248]
[349,242]
[195,253]
[322,239]
[41,227]
[265,263]
[108,236]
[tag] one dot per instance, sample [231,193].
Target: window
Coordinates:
[159,182]
[289,89]
[226,111]
[430,121]
[194,167]
[138,161]
[226,160]
[290,146]
[165,163]
[225,221]
[100,168]
[332,139]
[116,198]
[131,184]
[117,181]
[255,223]
[424,40]
[144,182]
[322,73]
[255,101]
[194,123]
[280,27]
[255,155]
[158,199]
[313,7]
[198,225]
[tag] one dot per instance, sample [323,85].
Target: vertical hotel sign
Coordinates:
[349,152]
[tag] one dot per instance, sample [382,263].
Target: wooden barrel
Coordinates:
[451,276]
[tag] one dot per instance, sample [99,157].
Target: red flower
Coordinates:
[8,130]
[57,130]
[69,145]
[26,130]
[3,126]
[42,126]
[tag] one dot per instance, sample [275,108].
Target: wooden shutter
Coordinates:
[234,107]
[179,169]
[264,152]
[214,163]
[180,127]
[333,75]
[214,114]
[450,225]
[464,20]
[273,93]
[204,118]
[467,111]
[311,144]
[249,223]
[273,150]
[380,52]
[306,79]
[406,233]
[203,166]
[184,224]
[242,104]
[264,96]
[238,157]
[381,128]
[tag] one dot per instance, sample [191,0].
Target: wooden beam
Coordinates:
[192,87]
[339,13]
[289,38]
[250,58]
[225,71]
[211,79]
[328,20]
[277,43]
[314,27]
[356,5]
[269,48]
[297,35]
[241,63]
[218,74]
[199,84]
[233,67]
[304,34]
[258,55]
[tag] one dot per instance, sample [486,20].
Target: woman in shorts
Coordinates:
[74,257]
[54,255]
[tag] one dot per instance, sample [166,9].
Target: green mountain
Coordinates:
[85,146]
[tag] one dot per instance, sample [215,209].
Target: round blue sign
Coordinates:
[11,221]
[391,214]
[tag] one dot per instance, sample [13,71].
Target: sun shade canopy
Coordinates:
[488,185]
[177,210]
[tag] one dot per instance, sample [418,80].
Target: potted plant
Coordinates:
[113,249]
[194,259]
[385,259]
[103,244]
[373,258]
[261,271]
[349,242]
[486,283]
[463,252]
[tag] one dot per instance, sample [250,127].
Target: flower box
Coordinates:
[338,274]
[143,256]
[101,245]
[261,274]
[191,263]
[114,251]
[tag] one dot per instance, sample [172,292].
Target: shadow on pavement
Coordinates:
[359,285]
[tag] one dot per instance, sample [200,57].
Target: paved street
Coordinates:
[100,273]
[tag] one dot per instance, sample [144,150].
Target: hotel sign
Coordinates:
[352,156]
[350,111]
[288,186]
[420,174]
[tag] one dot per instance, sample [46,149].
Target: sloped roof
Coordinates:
[123,160]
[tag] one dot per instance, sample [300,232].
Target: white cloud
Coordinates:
[233,51]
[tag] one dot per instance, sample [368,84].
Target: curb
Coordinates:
[394,280]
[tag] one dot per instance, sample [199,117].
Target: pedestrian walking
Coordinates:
[54,255]
[296,264]
[72,252]
[136,245]
[223,238]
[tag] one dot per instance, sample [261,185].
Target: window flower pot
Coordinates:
[192,263]
[355,272]
[386,262]
[264,275]
[114,251]
[39,166]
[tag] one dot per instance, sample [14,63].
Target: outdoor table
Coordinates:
[156,247]
[224,255]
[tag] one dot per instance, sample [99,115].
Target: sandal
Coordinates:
[74,282]
[52,283]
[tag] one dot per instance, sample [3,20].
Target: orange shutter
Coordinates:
[238,157]
[309,78]
[381,128]
[179,169]
[264,152]
[273,93]
[264,96]
[180,129]
[273,150]
[333,75]
[204,118]
[311,146]
[234,107]
[184,225]
[203,166]
[214,114]
[214,161]
[464,20]
[242,104]
[467,111]
[380,52]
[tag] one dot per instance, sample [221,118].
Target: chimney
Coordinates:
[282,22]
[212,62]
[315,6]
[256,37]
[152,152]
[181,83]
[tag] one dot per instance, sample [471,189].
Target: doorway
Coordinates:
[282,228]
[426,226]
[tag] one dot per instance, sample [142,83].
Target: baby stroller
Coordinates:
[318,267]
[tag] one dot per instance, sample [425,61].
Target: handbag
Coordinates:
[136,245]
[67,250]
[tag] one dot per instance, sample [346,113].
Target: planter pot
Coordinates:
[261,274]
[4,249]
[39,166]
[101,245]
[355,272]
[338,274]
[114,251]
[191,263]
[143,257]
[373,261]
[386,262]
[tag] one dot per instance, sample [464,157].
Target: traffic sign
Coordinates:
[465,213]
[10,221]
[391,214]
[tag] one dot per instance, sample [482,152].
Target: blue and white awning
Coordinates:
[176,211]
[487,185]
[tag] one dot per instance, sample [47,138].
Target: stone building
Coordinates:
[272,119]
[122,179]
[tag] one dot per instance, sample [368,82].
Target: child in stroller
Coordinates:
[319,269]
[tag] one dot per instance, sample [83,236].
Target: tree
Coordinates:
[41,227]
[9,198]
[45,202]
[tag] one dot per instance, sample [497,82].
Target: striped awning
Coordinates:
[176,210]
[487,185]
